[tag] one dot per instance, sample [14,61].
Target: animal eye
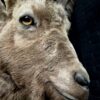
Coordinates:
[27,20]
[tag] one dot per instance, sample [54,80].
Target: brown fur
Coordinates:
[37,61]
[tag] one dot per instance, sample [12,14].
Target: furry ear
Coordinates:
[68,5]
[9,4]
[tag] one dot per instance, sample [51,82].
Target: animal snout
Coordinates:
[81,79]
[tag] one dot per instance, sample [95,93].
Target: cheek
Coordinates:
[21,42]
[7,31]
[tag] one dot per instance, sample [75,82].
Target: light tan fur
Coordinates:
[39,61]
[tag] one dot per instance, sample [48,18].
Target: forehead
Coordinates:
[36,3]
[26,6]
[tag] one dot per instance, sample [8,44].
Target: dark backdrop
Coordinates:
[85,36]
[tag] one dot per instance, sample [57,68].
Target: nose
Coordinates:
[82,80]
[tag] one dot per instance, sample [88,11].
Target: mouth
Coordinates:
[66,96]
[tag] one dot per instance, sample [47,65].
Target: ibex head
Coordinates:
[35,46]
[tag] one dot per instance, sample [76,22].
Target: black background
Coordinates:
[85,36]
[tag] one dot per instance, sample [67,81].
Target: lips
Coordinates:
[54,93]
[66,96]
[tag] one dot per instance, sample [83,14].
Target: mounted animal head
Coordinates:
[38,54]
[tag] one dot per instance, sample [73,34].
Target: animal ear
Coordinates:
[9,4]
[68,5]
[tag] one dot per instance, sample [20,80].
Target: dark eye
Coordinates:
[27,20]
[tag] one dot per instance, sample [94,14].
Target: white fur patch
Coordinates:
[39,2]
[24,9]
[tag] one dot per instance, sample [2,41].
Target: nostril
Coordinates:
[81,80]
